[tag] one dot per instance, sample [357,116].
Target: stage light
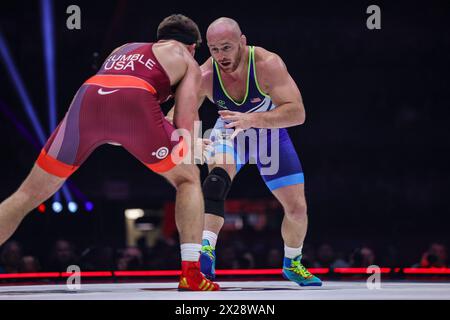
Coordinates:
[49,59]
[134,214]
[41,208]
[66,193]
[20,87]
[57,206]
[89,206]
[72,206]
[25,99]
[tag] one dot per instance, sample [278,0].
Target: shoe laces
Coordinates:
[208,250]
[300,269]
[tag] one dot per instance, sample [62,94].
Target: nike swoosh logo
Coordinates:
[101,92]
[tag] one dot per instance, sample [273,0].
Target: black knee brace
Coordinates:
[215,190]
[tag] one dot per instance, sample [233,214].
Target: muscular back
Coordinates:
[162,64]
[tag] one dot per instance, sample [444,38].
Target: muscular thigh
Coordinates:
[291,196]
[182,173]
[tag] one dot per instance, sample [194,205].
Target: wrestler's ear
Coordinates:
[192,48]
[243,40]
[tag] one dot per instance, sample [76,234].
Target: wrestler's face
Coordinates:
[227,50]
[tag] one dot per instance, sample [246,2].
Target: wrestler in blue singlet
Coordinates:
[270,149]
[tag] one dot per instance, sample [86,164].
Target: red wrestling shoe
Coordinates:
[192,279]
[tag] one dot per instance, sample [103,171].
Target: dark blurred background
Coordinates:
[374,148]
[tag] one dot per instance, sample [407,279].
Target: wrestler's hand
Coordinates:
[202,149]
[238,120]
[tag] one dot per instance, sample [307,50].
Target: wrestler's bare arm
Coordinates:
[275,81]
[282,89]
[205,89]
[186,96]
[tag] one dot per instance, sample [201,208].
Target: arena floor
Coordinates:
[261,290]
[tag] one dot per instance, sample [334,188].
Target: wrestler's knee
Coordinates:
[184,174]
[39,185]
[296,209]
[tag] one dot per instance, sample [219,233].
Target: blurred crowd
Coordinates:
[231,254]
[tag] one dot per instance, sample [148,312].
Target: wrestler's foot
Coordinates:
[208,260]
[192,279]
[293,270]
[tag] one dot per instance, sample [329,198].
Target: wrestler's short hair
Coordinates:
[181,28]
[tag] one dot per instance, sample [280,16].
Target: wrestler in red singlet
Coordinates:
[120,104]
